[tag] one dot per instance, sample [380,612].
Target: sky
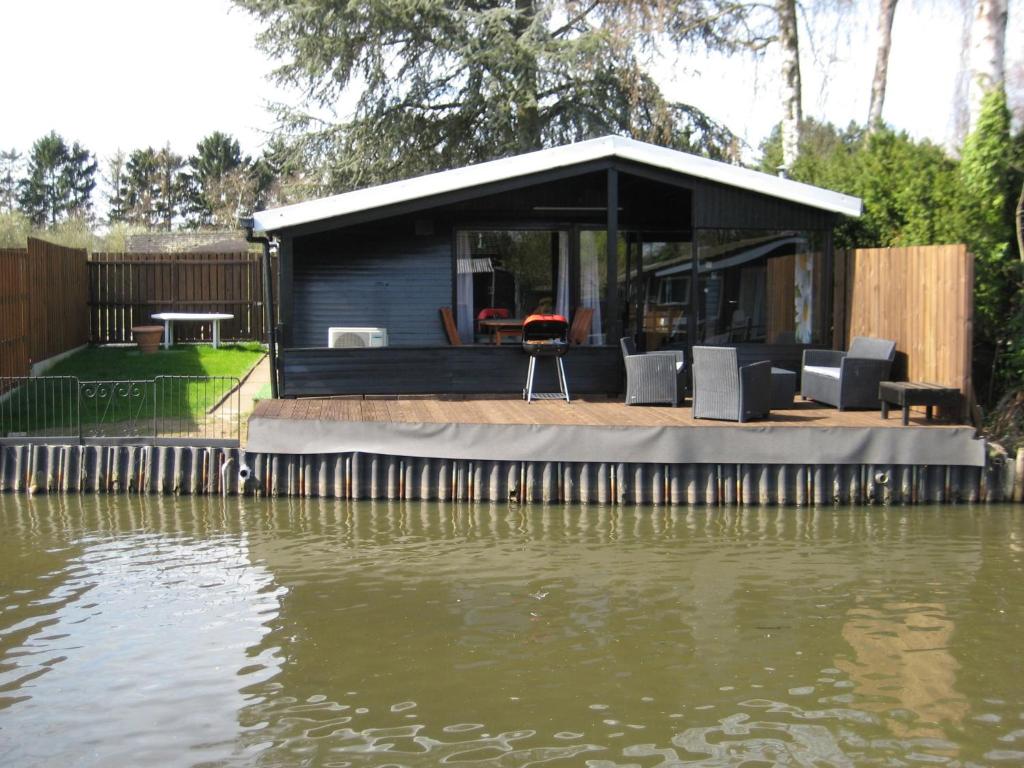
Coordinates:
[133,73]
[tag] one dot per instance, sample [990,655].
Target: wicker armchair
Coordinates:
[654,377]
[724,390]
[847,379]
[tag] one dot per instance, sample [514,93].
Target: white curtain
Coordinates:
[562,289]
[590,283]
[464,319]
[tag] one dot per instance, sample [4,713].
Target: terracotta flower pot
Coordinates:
[148,337]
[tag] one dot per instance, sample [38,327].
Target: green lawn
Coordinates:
[107,363]
[54,405]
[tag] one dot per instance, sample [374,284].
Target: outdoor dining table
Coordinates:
[169,319]
[503,326]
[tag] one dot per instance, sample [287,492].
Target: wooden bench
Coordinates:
[907,393]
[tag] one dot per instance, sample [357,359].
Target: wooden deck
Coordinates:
[481,429]
[589,412]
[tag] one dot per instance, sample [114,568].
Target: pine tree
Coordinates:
[59,181]
[218,179]
[443,84]
[115,180]
[172,186]
[141,188]
[10,162]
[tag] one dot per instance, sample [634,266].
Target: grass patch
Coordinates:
[55,405]
[263,393]
[110,363]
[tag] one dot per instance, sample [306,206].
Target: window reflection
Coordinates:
[761,287]
[510,274]
[667,291]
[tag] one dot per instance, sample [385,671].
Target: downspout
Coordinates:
[268,299]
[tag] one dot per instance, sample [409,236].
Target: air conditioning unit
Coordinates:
[357,337]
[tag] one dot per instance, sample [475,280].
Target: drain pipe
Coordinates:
[268,298]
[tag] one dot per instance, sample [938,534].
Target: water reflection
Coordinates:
[204,632]
[149,613]
[903,667]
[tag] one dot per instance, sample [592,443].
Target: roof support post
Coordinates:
[828,283]
[285,266]
[613,322]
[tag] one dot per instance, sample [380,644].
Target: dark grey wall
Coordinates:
[394,281]
[483,369]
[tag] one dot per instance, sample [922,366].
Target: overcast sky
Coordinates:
[132,73]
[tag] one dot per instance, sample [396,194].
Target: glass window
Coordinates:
[510,273]
[762,287]
[665,291]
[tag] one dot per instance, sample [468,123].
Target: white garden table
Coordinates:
[203,317]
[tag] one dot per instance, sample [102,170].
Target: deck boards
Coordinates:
[591,412]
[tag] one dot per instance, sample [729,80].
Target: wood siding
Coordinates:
[392,281]
[127,289]
[433,370]
[921,297]
[720,207]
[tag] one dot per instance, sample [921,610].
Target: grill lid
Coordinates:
[545,328]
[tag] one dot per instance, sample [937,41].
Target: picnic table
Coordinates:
[169,319]
[503,326]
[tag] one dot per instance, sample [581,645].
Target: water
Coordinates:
[209,632]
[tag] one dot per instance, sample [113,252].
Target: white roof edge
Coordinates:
[469,176]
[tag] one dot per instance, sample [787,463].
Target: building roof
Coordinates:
[607,147]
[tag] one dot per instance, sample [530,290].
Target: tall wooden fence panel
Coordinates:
[14,341]
[921,297]
[127,289]
[44,292]
[58,299]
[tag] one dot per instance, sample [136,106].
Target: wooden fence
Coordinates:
[44,292]
[127,289]
[14,341]
[921,297]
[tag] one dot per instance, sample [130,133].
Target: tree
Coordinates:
[115,180]
[886,14]
[172,186]
[745,27]
[910,189]
[155,188]
[59,182]
[792,99]
[219,178]
[987,55]
[141,187]
[987,211]
[443,84]
[10,161]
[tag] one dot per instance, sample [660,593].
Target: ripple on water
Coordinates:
[247,627]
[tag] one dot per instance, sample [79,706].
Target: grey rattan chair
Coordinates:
[847,379]
[654,377]
[724,390]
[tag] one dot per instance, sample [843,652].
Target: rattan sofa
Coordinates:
[847,379]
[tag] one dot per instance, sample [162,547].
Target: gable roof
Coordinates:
[607,147]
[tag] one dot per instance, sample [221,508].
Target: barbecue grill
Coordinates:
[546,336]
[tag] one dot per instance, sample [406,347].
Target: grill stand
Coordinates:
[563,383]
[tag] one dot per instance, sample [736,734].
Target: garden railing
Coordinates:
[164,410]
